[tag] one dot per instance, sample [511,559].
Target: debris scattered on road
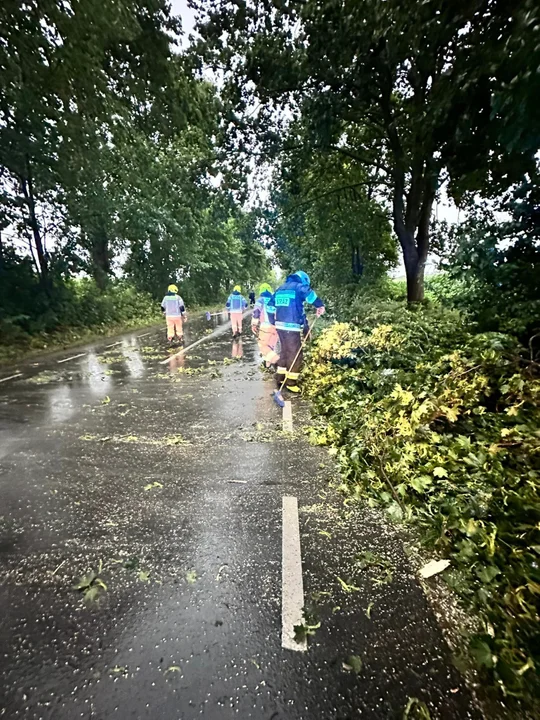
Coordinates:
[303,631]
[46,376]
[53,573]
[91,585]
[131,564]
[166,440]
[172,669]
[417,709]
[368,610]
[175,440]
[347,587]
[353,664]
[153,485]
[433,567]
[218,576]
[380,568]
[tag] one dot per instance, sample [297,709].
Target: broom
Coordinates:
[276,395]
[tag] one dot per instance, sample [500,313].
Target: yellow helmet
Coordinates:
[172,288]
[237,288]
[265,287]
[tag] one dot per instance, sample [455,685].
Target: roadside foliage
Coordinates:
[440,426]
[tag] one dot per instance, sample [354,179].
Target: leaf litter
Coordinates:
[380,569]
[91,585]
[172,669]
[353,664]
[153,485]
[416,710]
[44,377]
[307,628]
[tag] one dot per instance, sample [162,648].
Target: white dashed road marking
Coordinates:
[184,350]
[287,417]
[11,377]
[292,592]
[73,357]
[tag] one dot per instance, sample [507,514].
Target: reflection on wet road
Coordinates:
[59,391]
[237,349]
[141,549]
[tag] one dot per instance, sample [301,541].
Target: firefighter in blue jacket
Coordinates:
[286,312]
[236,304]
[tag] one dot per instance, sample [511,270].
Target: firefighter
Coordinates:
[286,313]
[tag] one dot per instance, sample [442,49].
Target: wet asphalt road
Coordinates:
[167,482]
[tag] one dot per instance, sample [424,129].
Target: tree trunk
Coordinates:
[414,266]
[101,264]
[28,192]
[414,272]
[411,225]
[357,266]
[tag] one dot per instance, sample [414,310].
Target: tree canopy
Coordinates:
[323,217]
[109,155]
[421,92]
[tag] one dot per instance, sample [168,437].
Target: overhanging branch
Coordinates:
[334,191]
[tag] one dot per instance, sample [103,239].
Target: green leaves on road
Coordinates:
[379,568]
[153,485]
[303,631]
[353,664]
[91,585]
[347,587]
[307,628]
[416,710]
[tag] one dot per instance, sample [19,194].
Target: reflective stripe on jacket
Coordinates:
[263,307]
[286,307]
[173,305]
[236,302]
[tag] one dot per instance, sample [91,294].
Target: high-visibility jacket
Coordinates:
[236,302]
[287,304]
[262,309]
[173,305]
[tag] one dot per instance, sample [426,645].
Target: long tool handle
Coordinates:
[310,328]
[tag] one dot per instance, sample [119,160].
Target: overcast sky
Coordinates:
[180,7]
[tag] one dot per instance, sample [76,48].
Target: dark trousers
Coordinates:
[291,342]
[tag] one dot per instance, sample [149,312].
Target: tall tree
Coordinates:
[412,89]
[63,67]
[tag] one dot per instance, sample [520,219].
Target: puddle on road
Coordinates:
[56,395]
